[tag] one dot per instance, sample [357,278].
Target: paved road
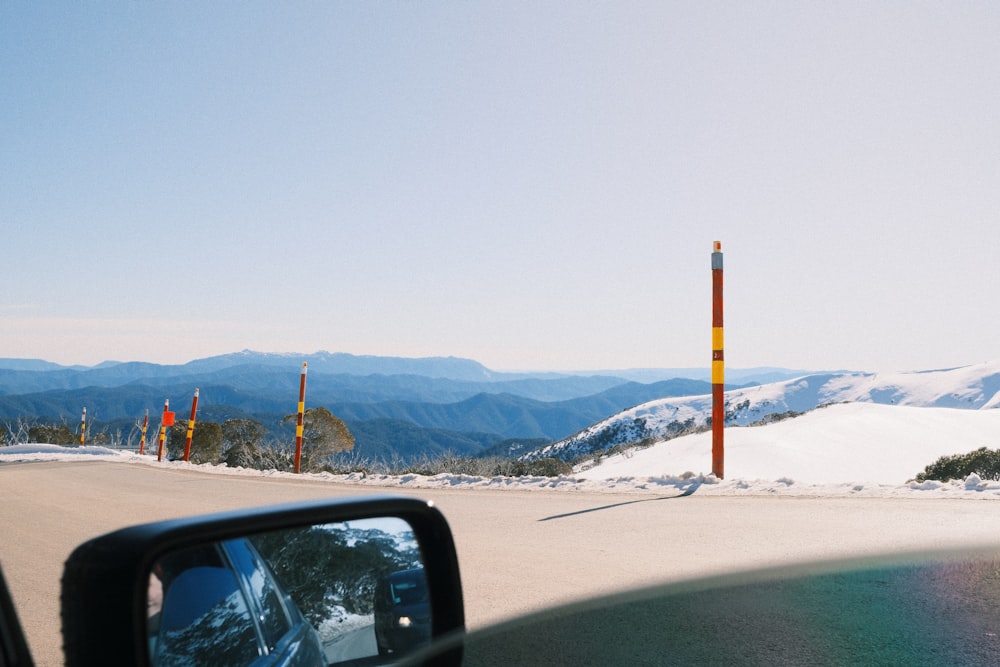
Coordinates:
[518,550]
[353,645]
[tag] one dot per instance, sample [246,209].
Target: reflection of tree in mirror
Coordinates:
[332,570]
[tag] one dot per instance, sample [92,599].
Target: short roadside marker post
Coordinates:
[167,420]
[190,431]
[142,439]
[299,419]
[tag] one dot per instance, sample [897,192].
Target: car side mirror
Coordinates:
[310,583]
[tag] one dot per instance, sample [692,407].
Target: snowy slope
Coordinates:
[850,442]
[972,387]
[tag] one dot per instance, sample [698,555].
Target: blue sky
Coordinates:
[532,185]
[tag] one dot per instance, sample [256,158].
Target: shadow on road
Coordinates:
[687,492]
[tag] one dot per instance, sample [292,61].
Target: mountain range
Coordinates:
[394,406]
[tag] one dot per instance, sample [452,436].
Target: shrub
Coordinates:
[774,417]
[53,434]
[548,467]
[983,462]
[206,441]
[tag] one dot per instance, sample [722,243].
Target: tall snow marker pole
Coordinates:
[163,429]
[190,432]
[83,427]
[145,425]
[718,367]
[299,418]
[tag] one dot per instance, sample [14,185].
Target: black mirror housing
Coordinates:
[13,647]
[105,580]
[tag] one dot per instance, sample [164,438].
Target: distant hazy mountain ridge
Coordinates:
[392,404]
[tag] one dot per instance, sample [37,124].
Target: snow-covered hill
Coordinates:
[863,443]
[974,387]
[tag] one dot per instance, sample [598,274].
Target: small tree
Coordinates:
[17,432]
[322,436]
[206,442]
[241,442]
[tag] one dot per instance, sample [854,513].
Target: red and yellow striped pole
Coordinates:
[83,427]
[142,440]
[163,429]
[190,433]
[300,417]
[718,367]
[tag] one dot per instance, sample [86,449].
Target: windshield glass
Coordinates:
[411,590]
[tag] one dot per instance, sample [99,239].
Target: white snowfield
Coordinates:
[857,449]
[857,444]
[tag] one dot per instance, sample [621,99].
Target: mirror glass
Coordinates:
[341,593]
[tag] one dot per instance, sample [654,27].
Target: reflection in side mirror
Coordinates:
[313,595]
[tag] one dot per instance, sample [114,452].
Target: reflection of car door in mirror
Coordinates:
[287,637]
[204,617]
[222,605]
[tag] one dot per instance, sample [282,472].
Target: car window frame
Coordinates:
[255,603]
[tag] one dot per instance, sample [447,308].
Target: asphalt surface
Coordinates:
[519,551]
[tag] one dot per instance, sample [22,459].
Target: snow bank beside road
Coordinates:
[659,485]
